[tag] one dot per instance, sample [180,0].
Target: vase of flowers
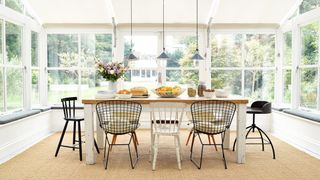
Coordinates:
[111,72]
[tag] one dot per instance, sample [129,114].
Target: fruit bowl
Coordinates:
[168,91]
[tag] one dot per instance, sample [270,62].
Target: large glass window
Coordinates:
[71,64]
[1,69]
[15,5]
[14,69]
[309,65]
[308,5]
[180,68]
[146,49]
[35,98]
[250,56]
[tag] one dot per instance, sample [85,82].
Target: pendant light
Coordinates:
[163,55]
[131,55]
[196,55]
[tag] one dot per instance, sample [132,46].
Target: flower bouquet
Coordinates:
[111,71]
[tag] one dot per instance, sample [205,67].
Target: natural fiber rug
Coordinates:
[39,162]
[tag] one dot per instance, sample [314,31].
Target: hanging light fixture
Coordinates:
[131,55]
[196,55]
[163,55]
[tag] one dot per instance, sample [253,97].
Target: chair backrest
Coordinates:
[69,107]
[212,116]
[167,115]
[119,116]
[265,106]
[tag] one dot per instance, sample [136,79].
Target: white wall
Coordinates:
[299,132]
[18,136]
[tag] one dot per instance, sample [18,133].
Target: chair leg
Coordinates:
[96,145]
[108,152]
[224,159]
[135,138]
[273,152]
[74,135]
[201,155]
[190,133]
[214,142]
[209,139]
[61,138]
[134,141]
[234,143]
[262,141]
[114,138]
[155,152]
[177,144]
[80,142]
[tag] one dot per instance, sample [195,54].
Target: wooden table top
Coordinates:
[183,99]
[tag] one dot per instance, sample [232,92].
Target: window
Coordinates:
[146,49]
[286,67]
[180,67]
[308,5]
[309,65]
[16,5]
[35,98]
[244,64]
[13,65]
[71,60]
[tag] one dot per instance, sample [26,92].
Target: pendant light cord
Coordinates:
[131,24]
[163,25]
[197,25]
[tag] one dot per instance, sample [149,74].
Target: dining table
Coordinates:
[89,118]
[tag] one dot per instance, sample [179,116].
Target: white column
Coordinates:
[296,55]
[26,60]
[278,84]
[43,74]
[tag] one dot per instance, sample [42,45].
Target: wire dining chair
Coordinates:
[119,117]
[166,121]
[211,117]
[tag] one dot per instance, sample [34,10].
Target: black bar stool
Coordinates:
[258,107]
[69,111]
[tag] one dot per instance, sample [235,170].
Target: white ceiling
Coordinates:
[150,11]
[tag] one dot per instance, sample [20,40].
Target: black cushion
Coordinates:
[17,115]
[304,114]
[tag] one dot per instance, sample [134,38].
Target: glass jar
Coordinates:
[201,88]
[192,92]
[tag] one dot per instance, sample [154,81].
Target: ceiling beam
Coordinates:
[291,11]
[29,8]
[213,10]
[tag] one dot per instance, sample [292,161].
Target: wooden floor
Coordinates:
[39,162]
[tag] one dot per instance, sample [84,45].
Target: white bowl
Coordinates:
[124,96]
[208,94]
[221,93]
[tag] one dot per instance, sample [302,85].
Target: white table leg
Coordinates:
[88,118]
[226,143]
[100,137]
[241,130]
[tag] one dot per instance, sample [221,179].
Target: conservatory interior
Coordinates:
[84,84]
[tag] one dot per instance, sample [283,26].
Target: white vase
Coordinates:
[113,86]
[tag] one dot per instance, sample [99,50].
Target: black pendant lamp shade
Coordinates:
[196,55]
[163,55]
[131,55]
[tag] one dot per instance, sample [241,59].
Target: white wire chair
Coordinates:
[165,121]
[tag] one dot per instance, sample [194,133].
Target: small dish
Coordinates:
[124,96]
[105,96]
[221,93]
[208,94]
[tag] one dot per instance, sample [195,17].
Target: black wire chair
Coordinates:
[258,107]
[69,111]
[119,117]
[211,117]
